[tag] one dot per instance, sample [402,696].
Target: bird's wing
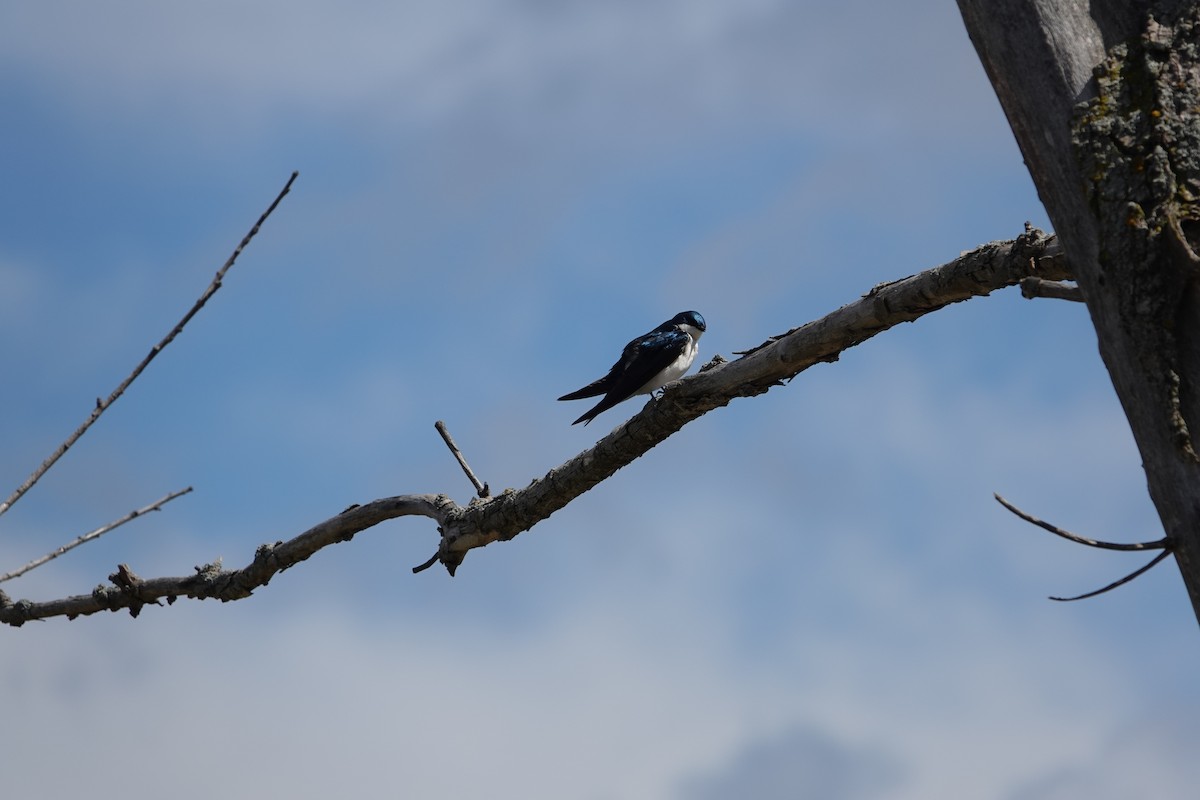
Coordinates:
[641,360]
[606,384]
[645,357]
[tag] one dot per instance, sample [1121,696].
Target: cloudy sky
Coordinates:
[805,594]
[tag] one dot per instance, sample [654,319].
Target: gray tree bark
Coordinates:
[1104,100]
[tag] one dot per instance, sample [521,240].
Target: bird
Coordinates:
[649,362]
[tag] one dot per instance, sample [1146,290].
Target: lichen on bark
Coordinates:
[1138,145]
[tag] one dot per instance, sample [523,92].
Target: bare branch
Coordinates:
[1166,552]
[481,489]
[102,405]
[1157,544]
[504,516]
[212,582]
[92,535]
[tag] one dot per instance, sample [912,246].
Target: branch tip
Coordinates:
[481,489]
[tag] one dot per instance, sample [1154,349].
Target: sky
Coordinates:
[805,594]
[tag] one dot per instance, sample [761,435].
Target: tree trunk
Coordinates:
[1103,97]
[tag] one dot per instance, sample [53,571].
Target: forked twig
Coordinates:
[1163,544]
[91,535]
[103,404]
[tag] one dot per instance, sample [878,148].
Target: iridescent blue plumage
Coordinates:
[648,362]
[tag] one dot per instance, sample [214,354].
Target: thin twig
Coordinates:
[102,405]
[1166,552]
[96,534]
[1158,544]
[480,488]
[1056,290]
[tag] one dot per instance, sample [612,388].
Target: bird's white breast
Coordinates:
[677,368]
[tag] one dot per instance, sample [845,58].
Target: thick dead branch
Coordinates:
[103,404]
[501,517]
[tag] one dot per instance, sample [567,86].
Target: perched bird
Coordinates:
[647,363]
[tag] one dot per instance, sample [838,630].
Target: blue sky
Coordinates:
[809,593]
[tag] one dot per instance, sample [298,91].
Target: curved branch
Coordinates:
[1157,544]
[1120,582]
[501,517]
[213,582]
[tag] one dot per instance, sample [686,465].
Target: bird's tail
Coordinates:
[599,408]
[591,390]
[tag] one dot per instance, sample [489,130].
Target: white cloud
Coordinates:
[531,65]
[631,690]
[1144,755]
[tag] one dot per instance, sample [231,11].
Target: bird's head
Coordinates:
[690,319]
